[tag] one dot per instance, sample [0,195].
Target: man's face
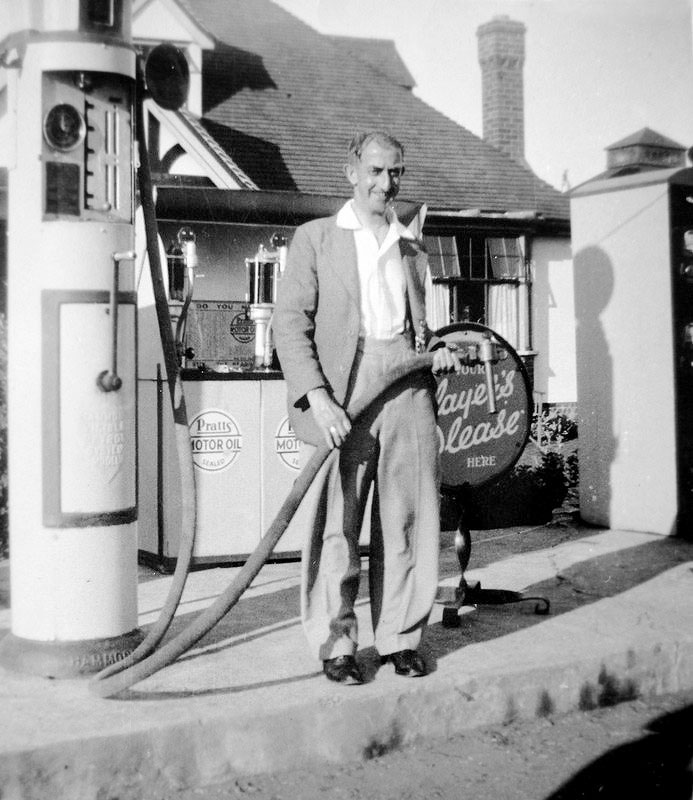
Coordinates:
[375,177]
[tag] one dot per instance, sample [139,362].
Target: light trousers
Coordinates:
[393,448]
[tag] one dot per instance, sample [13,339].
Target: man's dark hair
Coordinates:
[362,140]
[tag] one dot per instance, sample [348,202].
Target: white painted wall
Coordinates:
[625,366]
[553,320]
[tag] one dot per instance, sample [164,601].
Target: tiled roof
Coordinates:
[284,100]
[381,54]
[648,137]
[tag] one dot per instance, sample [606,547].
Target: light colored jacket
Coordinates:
[317,317]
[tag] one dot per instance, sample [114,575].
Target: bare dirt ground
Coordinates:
[640,748]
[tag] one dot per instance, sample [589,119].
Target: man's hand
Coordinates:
[331,418]
[445,359]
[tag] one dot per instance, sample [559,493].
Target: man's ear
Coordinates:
[350,173]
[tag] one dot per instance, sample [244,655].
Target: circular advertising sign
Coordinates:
[216,440]
[242,328]
[286,445]
[478,444]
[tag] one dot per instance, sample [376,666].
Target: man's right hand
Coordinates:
[330,417]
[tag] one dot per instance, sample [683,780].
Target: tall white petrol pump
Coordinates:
[71,72]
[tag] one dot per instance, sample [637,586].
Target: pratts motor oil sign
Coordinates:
[216,440]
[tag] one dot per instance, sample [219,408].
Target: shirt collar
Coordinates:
[347,219]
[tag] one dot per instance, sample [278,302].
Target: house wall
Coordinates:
[553,321]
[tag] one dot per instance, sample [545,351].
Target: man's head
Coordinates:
[375,165]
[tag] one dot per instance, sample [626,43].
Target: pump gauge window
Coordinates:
[64,127]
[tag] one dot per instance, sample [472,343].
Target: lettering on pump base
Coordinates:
[216,440]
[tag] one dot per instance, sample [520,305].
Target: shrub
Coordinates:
[571,470]
[553,425]
[524,496]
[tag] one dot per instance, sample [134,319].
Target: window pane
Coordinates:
[505,257]
[465,245]
[437,266]
[469,302]
[432,244]
[448,247]
[477,257]
[442,255]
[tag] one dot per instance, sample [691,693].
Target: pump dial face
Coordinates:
[64,127]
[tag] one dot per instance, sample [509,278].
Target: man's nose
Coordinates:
[385,180]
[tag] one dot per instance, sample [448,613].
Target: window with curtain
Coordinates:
[480,278]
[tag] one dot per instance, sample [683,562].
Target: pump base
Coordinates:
[72,659]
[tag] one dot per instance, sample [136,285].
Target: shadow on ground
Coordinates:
[658,766]
[584,583]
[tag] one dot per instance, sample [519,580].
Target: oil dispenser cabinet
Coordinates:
[633,261]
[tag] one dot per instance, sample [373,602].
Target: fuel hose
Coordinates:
[104,685]
[180,418]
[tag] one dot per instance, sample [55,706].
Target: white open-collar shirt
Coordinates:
[381,275]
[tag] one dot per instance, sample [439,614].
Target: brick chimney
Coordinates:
[502,58]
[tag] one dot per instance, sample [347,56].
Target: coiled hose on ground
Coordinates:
[104,686]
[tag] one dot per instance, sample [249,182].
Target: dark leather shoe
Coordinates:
[342,669]
[407,662]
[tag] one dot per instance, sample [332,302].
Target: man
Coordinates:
[351,305]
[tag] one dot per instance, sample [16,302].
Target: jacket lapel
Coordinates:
[342,260]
